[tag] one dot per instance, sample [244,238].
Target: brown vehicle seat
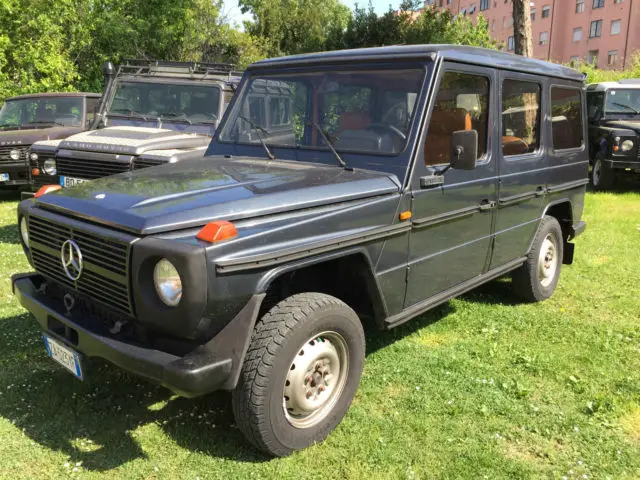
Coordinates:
[437,149]
[514,145]
[354,121]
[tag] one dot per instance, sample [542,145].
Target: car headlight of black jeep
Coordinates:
[49,166]
[14,154]
[167,282]
[24,231]
[627,145]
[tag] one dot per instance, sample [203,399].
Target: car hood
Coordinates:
[193,192]
[133,140]
[32,135]
[630,124]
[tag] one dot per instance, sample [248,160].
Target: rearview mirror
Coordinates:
[464,149]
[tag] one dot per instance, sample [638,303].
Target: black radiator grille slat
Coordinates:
[89,169]
[140,163]
[6,151]
[108,256]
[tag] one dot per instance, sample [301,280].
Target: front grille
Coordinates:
[5,151]
[105,262]
[89,169]
[146,163]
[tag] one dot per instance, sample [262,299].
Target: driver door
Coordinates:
[453,223]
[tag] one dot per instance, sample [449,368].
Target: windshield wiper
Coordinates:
[50,122]
[626,106]
[176,117]
[127,114]
[329,143]
[257,128]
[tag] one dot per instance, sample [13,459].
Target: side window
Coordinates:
[92,110]
[279,111]
[595,102]
[462,104]
[520,117]
[566,112]
[257,111]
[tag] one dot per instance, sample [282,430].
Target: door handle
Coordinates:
[486,205]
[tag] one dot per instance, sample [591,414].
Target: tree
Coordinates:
[522,28]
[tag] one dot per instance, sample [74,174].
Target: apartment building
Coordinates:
[603,32]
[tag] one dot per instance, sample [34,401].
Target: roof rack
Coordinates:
[630,81]
[158,67]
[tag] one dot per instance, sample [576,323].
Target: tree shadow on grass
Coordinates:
[10,194]
[10,234]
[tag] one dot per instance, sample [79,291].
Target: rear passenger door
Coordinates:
[522,165]
[452,223]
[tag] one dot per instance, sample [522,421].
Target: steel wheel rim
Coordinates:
[596,172]
[548,260]
[316,379]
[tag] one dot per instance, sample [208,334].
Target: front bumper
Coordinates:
[623,164]
[210,367]
[18,174]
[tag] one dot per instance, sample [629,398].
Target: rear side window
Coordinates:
[520,117]
[566,112]
[461,104]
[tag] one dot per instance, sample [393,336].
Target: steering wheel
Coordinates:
[391,128]
[392,109]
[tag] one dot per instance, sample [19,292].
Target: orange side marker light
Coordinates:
[47,189]
[217,231]
[35,172]
[406,215]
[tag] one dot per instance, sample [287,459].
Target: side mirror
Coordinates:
[464,149]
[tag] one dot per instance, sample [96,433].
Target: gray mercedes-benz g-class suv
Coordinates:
[151,113]
[614,130]
[42,116]
[342,189]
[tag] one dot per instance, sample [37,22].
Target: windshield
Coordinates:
[360,111]
[42,112]
[178,103]
[623,101]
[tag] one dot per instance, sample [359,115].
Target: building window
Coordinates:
[511,44]
[579,6]
[577,34]
[616,27]
[598,3]
[592,57]
[566,113]
[574,59]
[484,5]
[612,57]
[533,15]
[596,29]
[546,11]
[504,22]
[462,103]
[520,117]
[493,25]
[618,1]
[511,21]
[544,38]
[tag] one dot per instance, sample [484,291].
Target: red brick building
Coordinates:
[605,32]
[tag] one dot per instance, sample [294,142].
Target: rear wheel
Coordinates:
[537,279]
[300,374]
[601,174]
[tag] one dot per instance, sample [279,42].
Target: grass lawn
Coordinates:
[482,387]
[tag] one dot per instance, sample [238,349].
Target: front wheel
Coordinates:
[601,174]
[537,279]
[300,374]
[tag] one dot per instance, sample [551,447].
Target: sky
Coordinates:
[381,6]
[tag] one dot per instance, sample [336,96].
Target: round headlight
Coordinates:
[627,145]
[34,157]
[24,231]
[168,282]
[49,166]
[14,154]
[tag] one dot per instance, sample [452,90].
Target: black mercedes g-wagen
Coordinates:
[43,116]
[614,130]
[342,189]
[151,113]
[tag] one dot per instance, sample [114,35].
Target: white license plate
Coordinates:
[4,177]
[63,355]
[71,181]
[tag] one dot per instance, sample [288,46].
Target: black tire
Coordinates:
[527,282]
[602,176]
[278,339]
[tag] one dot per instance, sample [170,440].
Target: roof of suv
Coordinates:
[631,84]
[471,55]
[55,94]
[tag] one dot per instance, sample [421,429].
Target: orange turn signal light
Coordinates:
[47,189]
[405,215]
[616,148]
[217,231]
[35,172]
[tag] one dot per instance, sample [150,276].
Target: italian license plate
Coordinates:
[71,181]
[4,177]
[63,355]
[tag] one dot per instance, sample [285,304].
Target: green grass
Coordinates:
[483,387]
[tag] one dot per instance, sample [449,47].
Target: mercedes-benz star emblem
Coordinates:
[71,257]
